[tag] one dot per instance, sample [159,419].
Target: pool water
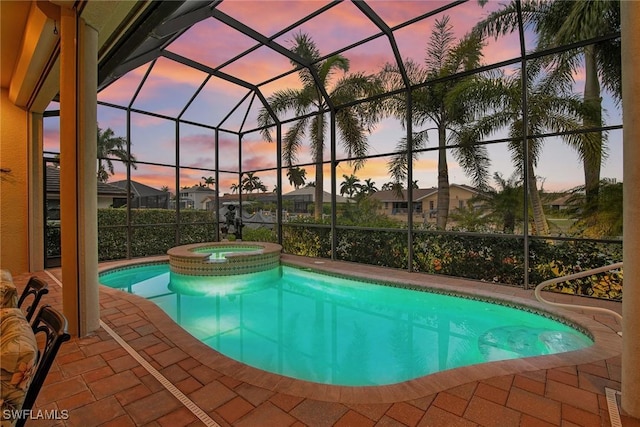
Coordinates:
[331,330]
[221,253]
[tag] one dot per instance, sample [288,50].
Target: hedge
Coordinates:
[495,259]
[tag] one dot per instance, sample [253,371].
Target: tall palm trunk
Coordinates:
[319,192]
[443,181]
[539,219]
[593,152]
[319,149]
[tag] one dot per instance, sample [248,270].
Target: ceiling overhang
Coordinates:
[30,42]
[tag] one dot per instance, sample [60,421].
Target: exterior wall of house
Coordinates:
[105,201]
[199,199]
[14,205]
[458,198]
[398,209]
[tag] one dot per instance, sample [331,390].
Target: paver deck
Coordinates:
[98,383]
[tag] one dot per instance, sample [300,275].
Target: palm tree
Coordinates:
[251,182]
[368,187]
[396,186]
[350,186]
[109,146]
[564,22]
[388,186]
[551,108]
[296,176]
[234,188]
[353,123]
[440,104]
[209,181]
[504,204]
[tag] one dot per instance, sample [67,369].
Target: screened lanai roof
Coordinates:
[210,66]
[238,52]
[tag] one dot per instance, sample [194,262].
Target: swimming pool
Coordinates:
[332,330]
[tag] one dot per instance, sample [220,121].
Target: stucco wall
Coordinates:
[14,207]
[456,195]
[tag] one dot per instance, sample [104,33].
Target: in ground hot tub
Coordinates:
[224,258]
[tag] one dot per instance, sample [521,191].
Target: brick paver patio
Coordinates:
[100,384]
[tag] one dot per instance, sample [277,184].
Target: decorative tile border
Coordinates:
[193,260]
[130,266]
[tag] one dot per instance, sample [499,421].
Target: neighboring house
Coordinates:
[107,193]
[296,201]
[196,197]
[142,196]
[303,197]
[425,201]
[560,202]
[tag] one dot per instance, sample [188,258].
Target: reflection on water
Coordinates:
[336,331]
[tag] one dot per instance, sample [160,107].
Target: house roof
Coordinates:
[198,189]
[311,191]
[104,189]
[139,189]
[392,195]
[418,193]
[561,200]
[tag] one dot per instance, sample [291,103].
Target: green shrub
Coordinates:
[495,259]
[153,231]
[376,247]
[261,234]
[53,239]
[307,241]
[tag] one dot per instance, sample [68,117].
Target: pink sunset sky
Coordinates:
[170,86]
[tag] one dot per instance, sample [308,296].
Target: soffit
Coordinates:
[29,44]
[13,19]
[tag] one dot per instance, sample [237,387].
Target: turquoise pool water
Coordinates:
[337,331]
[221,253]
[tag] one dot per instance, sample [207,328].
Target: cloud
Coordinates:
[258,155]
[280,13]
[51,137]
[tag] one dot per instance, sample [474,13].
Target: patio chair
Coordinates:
[53,325]
[36,287]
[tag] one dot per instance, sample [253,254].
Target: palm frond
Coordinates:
[439,45]
[318,131]
[353,135]
[292,141]
[280,102]
[505,20]
[398,166]
[330,66]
